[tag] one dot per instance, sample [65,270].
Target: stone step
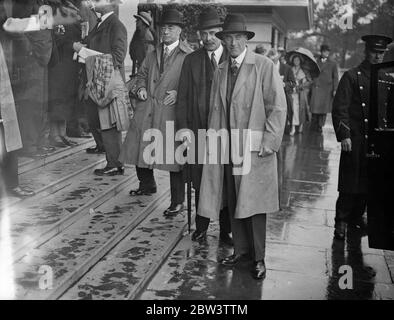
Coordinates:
[29,164]
[75,250]
[35,221]
[54,176]
[125,271]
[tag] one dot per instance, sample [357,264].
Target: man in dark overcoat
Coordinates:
[193,105]
[350,119]
[323,89]
[109,37]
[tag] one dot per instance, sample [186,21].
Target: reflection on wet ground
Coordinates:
[303,259]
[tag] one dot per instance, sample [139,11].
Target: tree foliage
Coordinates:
[369,16]
[190,9]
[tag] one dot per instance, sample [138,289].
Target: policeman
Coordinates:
[350,119]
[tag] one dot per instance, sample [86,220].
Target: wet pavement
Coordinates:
[303,259]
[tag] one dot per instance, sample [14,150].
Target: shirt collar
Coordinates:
[240,58]
[218,53]
[172,46]
[105,16]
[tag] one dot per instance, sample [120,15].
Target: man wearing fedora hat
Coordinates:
[247,96]
[350,119]
[323,89]
[143,40]
[193,104]
[156,88]
[109,36]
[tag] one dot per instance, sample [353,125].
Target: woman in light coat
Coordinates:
[301,112]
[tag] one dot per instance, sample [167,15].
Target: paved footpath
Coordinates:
[303,259]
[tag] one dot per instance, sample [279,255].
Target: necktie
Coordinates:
[234,67]
[166,54]
[213,61]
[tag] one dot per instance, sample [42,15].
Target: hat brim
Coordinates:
[205,27]
[221,34]
[170,22]
[137,16]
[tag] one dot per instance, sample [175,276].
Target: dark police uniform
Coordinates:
[350,119]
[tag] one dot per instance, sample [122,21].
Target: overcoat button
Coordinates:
[359,73]
[366,120]
[363,104]
[361,87]
[366,136]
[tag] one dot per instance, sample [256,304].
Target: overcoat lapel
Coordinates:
[223,71]
[201,77]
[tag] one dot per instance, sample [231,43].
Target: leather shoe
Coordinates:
[235,259]
[21,192]
[57,143]
[173,210]
[199,235]
[340,230]
[259,270]
[143,191]
[226,238]
[107,171]
[95,150]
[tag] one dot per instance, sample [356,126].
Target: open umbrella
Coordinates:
[309,61]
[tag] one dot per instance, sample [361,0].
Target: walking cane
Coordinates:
[189,197]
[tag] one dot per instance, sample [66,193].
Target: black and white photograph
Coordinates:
[196,151]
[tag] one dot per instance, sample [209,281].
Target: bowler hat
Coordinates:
[376,42]
[209,18]
[260,49]
[325,47]
[144,17]
[171,16]
[234,23]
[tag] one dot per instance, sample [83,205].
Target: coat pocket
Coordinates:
[255,138]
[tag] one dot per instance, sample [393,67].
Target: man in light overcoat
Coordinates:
[156,88]
[247,95]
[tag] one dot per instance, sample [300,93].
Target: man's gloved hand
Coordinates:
[170,98]
[265,152]
[346,145]
[142,94]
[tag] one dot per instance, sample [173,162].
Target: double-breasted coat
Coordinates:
[152,113]
[350,119]
[110,37]
[193,99]
[324,86]
[63,73]
[258,103]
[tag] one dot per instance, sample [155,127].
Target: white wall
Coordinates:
[126,11]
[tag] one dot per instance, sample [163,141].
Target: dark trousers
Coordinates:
[8,164]
[249,233]
[33,125]
[202,223]
[318,120]
[350,207]
[110,140]
[147,180]
[9,170]
[94,123]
